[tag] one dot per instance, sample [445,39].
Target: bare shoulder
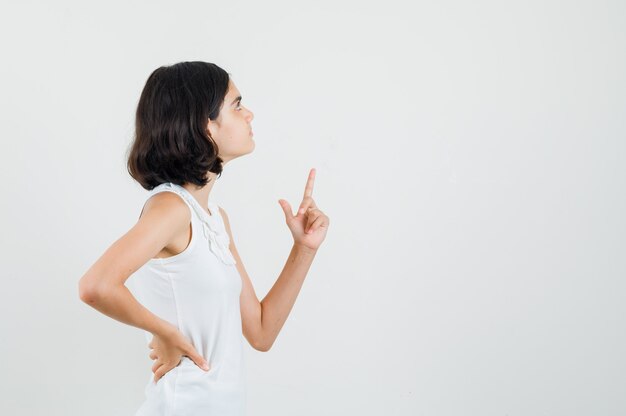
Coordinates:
[225,218]
[168,213]
[165,218]
[223,213]
[167,202]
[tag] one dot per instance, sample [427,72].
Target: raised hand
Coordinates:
[310,224]
[168,350]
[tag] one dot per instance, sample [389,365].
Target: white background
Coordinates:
[470,156]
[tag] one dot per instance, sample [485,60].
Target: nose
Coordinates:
[250,116]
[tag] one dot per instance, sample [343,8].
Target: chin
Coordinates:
[249,150]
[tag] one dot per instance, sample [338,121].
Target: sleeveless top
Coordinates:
[197,291]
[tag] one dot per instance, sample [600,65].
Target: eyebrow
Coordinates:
[235,100]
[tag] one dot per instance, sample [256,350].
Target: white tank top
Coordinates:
[197,291]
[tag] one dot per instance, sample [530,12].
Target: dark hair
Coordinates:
[171,141]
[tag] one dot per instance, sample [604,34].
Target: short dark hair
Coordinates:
[171,142]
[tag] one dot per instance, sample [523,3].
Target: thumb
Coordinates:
[200,361]
[286,208]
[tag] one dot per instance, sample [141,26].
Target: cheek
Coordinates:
[233,139]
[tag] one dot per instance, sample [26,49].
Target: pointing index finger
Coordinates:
[308,189]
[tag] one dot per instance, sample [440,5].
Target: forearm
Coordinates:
[118,303]
[277,304]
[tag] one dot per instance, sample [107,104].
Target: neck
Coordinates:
[202,194]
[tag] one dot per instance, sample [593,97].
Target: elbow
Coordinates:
[262,346]
[87,291]
[87,295]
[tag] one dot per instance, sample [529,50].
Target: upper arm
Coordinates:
[164,216]
[249,303]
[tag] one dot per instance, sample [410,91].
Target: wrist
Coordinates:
[302,249]
[163,328]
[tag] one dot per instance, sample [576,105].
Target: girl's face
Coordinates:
[232,130]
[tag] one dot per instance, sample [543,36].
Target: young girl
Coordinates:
[189,290]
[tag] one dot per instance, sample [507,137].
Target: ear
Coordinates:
[213,127]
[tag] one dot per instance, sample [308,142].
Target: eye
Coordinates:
[238,105]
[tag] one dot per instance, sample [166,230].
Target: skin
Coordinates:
[163,230]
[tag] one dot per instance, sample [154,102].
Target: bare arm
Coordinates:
[102,286]
[278,302]
[262,321]
[118,303]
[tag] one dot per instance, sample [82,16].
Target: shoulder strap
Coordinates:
[170,187]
